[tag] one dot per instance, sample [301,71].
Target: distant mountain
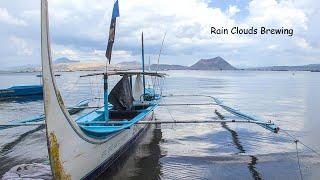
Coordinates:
[64,60]
[129,65]
[25,68]
[309,67]
[216,63]
[135,65]
[162,67]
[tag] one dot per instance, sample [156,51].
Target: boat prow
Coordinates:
[83,148]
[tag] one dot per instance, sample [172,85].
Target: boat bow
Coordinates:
[72,153]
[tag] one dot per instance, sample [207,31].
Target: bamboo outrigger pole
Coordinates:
[105,95]
[153,122]
[261,122]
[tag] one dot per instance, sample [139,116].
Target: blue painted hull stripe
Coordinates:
[107,163]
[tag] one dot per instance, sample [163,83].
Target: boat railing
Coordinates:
[130,73]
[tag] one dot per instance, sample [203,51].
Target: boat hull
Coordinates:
[73,153]
[72,157]
[20,91]
[117,146]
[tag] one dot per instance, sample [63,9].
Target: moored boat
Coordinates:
[40,75]
[84,148]
[20,91]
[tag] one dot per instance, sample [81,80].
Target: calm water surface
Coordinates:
[198,151]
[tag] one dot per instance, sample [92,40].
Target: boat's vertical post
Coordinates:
[143,78]
[105,96]
[149,68]
[130,82]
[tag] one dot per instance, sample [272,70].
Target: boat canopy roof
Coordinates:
[129,73]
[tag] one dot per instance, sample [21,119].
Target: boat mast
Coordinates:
[105,94]
[112,33]
[142,54]
[149,68]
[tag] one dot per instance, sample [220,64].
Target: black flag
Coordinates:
[112,31]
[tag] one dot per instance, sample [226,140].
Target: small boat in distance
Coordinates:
[40,75]
[20,91]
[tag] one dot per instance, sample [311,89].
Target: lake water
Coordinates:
[193,151]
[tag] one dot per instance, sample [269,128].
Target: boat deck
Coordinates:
[94,124]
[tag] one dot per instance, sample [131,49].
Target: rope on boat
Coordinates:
[193,122]
[296,141]
[188,104]
[298,158]
[164,37]
[88,107]
[186,95]
[169,111]
[73,86]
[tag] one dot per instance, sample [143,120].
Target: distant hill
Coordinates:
[129,65]
[162,67]
[216,63]
[64,60]
[309,67]
[135,65]
[25,68]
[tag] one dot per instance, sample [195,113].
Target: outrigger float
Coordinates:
[86,147]
[40,119]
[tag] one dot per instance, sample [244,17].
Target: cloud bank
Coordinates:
[79,31]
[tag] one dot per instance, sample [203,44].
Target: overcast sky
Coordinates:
[79,31]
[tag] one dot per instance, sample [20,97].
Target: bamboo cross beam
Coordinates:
[4,126]
[156,122]
[202,122]
[189,104]
[87,107]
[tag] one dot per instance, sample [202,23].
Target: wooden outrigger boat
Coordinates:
[85,147]
[40,75]
[20,91]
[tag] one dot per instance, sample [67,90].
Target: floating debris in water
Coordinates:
[29,171]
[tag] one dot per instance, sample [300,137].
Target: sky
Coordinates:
[79,31]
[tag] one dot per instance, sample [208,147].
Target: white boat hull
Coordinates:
[113,148]
[79,159]
[73,154]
